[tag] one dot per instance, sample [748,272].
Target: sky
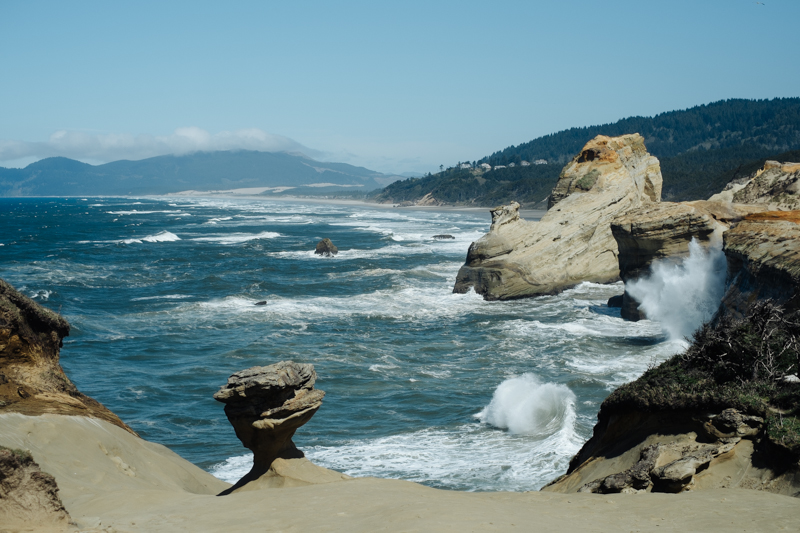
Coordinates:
[391,86]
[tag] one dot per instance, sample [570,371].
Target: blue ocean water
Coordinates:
[422,384]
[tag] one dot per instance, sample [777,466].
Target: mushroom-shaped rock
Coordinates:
[326,247]
[266,405]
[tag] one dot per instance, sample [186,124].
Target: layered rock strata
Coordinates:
[266,405]
[724,413]
[32,381]
[673,452]
[572,242]
[27,495]
[661,231]
[763,254]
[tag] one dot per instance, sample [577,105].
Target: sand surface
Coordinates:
[112,481]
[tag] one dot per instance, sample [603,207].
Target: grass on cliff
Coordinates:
[741,363]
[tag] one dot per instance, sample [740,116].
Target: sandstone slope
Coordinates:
[572,242]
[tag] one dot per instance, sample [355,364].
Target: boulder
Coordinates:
[32,381]
[266,405]
[27,495]
[326,248]
[443,237]
[572,242]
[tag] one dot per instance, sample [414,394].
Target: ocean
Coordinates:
[424,385]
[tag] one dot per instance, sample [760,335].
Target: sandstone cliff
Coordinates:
[32,381]
[660,231]
[726,413]
[763,253]
[572,242]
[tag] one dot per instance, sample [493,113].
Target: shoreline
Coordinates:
[527,214]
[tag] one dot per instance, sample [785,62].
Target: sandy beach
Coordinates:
[110,480]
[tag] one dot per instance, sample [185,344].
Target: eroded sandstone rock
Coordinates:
[32,381]
[660,456]
[572,242]
[658,231]
[28,495]
[763,253]
[266,405]
[326,247]
[775,187]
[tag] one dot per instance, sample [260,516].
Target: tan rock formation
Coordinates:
[28,496]
[32,381]
[673,451]
[266,405]
[763,253]
[572,242]
[658,231]
[775,187]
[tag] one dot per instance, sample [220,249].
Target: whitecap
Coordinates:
[236,238]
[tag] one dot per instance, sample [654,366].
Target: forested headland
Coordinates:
[700,150]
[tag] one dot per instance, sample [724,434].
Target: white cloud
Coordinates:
[115,146]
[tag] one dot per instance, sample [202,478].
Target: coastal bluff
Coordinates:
[572,242]
[726,412]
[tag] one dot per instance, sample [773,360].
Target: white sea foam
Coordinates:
[164,236]
[681,296]
[526,406]
[464,457]
[163,297]
[236,238]
[135,212]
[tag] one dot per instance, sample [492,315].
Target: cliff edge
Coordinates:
[726,413]
[32,381]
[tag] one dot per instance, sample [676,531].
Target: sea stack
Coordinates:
[572,242]
[266,405]
[326,248]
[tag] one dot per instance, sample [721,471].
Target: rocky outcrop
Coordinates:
[725,413]
[266,405]
[27,495]
[673,452]
[775,187]
[763,253]
[572,242]
[32,381]
[326,248]
[660,231]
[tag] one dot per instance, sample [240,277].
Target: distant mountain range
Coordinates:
[701,149]
[201,171]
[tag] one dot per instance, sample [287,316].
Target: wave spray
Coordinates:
[683,295]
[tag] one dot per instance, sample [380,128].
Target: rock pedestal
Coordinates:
[266,405]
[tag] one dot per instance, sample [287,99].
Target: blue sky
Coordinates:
[393,86]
